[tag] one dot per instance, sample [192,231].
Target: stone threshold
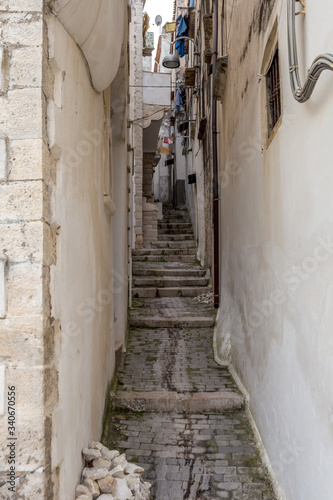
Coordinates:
[176,402]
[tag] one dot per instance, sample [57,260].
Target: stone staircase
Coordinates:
[176,412]
[176,244]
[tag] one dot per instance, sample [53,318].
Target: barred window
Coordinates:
[273,88]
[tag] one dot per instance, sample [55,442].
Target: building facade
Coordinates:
[63,232]
[274,225]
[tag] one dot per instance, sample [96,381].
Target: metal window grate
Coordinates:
[273,93]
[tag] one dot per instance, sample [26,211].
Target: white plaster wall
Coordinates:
[196,198]
[277,256]
[121,198]
[82,287]
[180,158]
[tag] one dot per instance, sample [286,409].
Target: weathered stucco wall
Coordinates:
[56,260]
[277,254]
[82,280]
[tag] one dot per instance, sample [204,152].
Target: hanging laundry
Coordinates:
[168,140]
[180,98]
[179,101]
[182,30]
[183,94]
[170,27]
[191,3]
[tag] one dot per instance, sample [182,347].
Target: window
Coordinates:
[108,167]
[273,92]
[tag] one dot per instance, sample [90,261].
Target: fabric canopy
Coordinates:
[98,28]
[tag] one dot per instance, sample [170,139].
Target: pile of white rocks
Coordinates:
[108,476]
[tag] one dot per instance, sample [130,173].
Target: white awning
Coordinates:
[98,28]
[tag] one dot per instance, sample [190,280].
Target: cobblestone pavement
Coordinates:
[193,456]
[207,455]
[172,360]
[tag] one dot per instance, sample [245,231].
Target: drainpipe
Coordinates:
[215,168]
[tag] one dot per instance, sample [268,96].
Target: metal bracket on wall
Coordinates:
[303,3]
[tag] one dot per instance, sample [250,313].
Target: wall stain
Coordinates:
[259,22]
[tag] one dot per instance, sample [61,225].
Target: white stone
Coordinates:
[107,485]
[26,67]
[122,492]
[3,160]
[2,388]
[21,201]
[95,474]
[26,159]
[3,288]
[106,497]
[31,378]
[117,472]
[95,445]
[101,463]
[21,5]
[133,482]
[22,114]
[92,487]
[91,454]
[23,33]
[3,70]
[120,460]
[24,289]
[84,497]
[109,454]
[131,468]
[82,490]
[22,242]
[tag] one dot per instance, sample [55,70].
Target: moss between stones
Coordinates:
[111,390]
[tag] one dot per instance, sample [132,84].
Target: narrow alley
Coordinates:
[176,413]
[166,250]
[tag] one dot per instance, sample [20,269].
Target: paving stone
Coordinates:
[187,452]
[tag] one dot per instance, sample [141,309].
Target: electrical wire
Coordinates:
[302,93]
[148,116]
[229,27]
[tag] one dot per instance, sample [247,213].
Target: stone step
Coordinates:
[176,237]
[173,225]
[176,244]
[178,322]
[137,271]
[179,403]
[170,282]
[164,251]
[184,231]
[153,293]
[175,214]
[170,220]
[164,258]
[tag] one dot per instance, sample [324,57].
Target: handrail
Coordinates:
[321,63]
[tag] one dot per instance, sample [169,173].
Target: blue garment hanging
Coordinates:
[191,3]
[182,30]
[179,100]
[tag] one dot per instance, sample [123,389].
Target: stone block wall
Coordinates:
[150,221]
[26,248]
[136,113]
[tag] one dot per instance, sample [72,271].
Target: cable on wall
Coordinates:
[302,93]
